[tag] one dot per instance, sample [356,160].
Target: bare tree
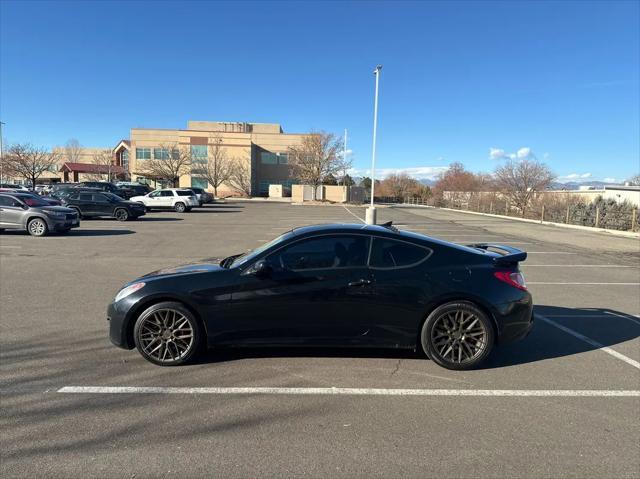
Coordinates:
[73,151]
[240,176]
[519,180]
[398,185]
[219,166]
[173,163]
[104,159]
[634,180]
[316,157]
[29,162]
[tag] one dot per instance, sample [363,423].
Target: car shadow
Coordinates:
[211,210]
[222,205]
[547,340]
[90,232]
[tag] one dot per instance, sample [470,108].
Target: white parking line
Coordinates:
[606,314]
[590,341]
[576,266]
[584,284]
[353,214]
[350,391]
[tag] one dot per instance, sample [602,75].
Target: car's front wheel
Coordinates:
[457,335]
[37,227]
[167,334]
[180,207]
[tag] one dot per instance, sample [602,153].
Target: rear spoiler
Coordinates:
[511,256]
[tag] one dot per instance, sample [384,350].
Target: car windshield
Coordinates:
[246,257]
[32,200]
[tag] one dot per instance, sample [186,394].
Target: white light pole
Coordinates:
[371,211]
[1,155]
[344,157]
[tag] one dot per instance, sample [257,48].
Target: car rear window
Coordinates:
[185,193]
[386,253]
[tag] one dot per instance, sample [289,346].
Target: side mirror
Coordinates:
[261,269]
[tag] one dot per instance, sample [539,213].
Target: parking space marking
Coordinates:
[350,391]
[590,341]
[353,214]
[584,284]
[9,246]
[577,266]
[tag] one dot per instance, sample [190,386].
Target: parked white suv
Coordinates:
[179,199]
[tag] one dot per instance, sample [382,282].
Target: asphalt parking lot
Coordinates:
[563,402]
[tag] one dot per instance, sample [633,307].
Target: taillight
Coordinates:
[514,279]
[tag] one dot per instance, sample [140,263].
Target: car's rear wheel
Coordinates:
[457,335]
[121,214]
[37,227]
[180,207]
[167,334]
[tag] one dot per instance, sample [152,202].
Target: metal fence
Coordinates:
[597,214]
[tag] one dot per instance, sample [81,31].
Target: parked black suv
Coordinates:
[92,203]
[125,193]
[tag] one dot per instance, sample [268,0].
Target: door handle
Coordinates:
[360,282]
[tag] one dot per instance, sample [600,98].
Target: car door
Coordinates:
[399,292]
[310,294]
[11,212]
[166,198]
[103,206]
[154,200]
[86,204]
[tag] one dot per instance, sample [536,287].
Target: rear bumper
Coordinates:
[516,320]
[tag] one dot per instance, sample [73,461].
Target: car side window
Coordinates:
[155,194]
[387,253]
[86,197]
[100,198]
[327,252]
[166,193]
[9,201]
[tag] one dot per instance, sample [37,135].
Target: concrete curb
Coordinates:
[626,234]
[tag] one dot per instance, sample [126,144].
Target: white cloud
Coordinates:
[575,176]
[418,172]
[524,153]
[497,153]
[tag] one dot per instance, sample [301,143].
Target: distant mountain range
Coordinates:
[574,185]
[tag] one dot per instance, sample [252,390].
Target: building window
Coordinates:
[199,153]
[199,182]
[124,159]
[283,158]
[268,158]
[143,153]
[160,154]
[263,187]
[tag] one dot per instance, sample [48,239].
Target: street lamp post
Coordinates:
[1,155]
[371,210]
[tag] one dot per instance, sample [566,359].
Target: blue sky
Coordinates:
[471,82]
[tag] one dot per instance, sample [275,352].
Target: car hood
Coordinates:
[131,203]
[211,265]
[138,198]
[60,209]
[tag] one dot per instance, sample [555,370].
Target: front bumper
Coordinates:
[118,331]
[62,224]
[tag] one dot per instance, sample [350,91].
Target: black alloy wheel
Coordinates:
[167,334]
[457,335]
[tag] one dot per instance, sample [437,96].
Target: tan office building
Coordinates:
[263,146]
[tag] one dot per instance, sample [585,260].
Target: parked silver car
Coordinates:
[28,212]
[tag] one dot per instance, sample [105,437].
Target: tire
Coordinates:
[77,210]
[180,207]
[37,227]
[155,335]
[121,214]
[457,335]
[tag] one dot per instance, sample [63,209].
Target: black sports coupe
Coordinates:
[332,285]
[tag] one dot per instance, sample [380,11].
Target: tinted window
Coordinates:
[387,253]
[100,198]
[86,197]
[8,201]
[324,252]
[166,193]
[185,193]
